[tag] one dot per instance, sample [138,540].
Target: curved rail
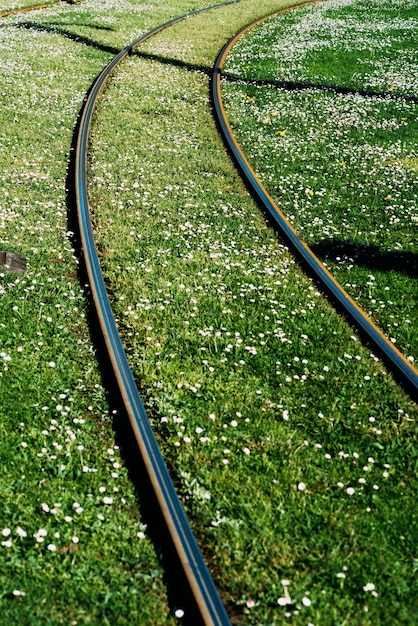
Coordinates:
[400,367]
[36,7]
[209,605]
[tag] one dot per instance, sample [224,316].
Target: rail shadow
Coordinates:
[44,28]
[369,256]
[289,85]
[190,67]
[95,26]
[178,589]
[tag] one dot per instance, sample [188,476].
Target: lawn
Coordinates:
[292,449]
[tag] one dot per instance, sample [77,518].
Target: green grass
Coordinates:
[292,449]
[265,404]
[6,6]
[60,563]
[340,161]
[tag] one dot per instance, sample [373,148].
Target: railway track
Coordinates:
[36,7]
[209,608]
[396,362]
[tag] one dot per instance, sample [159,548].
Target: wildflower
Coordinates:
[17,592]
[306,601]
[52,547]
[250,603]
[301,486]
[369,587]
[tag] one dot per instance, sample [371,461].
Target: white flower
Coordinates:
[369,587]
[301,486]
[306,601]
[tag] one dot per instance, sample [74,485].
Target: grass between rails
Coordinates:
[292,449]
[340,161]
[73,547]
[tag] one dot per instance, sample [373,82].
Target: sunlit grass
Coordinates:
[74,548]
[335,143]
[291,447]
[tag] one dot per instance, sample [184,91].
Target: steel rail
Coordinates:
[209,605]
[395,361]
[36,7]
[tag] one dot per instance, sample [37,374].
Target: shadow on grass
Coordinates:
[289,85]
[368,255]
[177,586]
[44,28]
[190,67]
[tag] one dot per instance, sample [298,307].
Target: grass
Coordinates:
[292,449]
[338,152]
[74,547]
[19,4]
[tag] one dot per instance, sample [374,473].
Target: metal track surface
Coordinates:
[399,366]
[210,607]
[27,9]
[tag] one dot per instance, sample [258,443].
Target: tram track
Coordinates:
[36,7]
[402,370]
[205,595]
[209,606]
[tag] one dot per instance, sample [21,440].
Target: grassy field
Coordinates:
[282,433]
[292,449]
[336,143]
